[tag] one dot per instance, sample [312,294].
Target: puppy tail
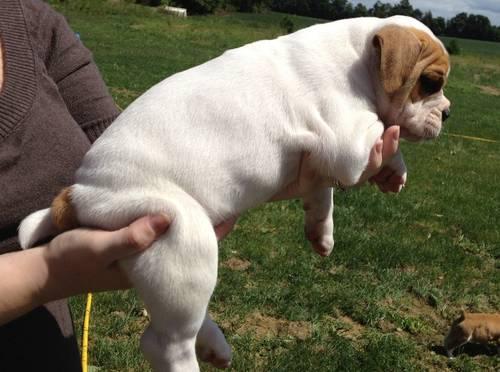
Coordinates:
[61,216]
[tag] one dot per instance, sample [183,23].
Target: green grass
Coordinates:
[403,266]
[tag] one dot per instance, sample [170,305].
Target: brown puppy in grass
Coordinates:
[469,327]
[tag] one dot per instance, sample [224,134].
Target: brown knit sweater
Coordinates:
[53,104]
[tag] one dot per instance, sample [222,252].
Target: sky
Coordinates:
[449,8]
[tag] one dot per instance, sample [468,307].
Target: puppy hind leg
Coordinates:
[211,345]
[175,278]
[318,207]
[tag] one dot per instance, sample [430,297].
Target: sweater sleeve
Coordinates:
[70,64]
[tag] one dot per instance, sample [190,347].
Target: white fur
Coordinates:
[209,143]
[35,227]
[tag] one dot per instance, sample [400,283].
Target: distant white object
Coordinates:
[179,12]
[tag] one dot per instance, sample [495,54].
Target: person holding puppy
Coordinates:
[53,105]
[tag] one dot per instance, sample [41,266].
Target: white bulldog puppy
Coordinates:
[208,143]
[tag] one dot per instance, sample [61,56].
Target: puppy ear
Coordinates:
[399,50]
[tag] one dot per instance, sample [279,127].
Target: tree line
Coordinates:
[472,26]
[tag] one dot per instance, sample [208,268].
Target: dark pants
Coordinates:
[42,340]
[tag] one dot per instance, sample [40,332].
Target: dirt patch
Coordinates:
[418,307]
[353,330]
[118,314]
[236,264]
[416,316]
[414,307]
[337,269]
[409,269]
[345,326]
[492,91]
[138,27]
[127,94]
[263,326]
[430,227]
[490,66]
[386,326]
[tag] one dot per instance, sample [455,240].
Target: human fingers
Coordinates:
[139,235]
[390,143]
[374,162]
[382,152]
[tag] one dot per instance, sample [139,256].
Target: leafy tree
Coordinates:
[478,27]
[360,10]
[472,26]
[321,9]
[381,10]
[439,26]
[417,13]
[248,5]
[341,9]
[462,25]
[287,24]
[149,2]
[198,6]
[300,7]
[427,19]
[456,25]
[403,8]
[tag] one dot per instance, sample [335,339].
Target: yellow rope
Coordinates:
[85,336]
[472,138]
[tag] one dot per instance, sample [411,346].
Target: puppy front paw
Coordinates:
[320,234]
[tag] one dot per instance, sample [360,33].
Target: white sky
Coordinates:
[449,8]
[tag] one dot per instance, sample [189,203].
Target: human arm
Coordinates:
[72,68]
[74,262]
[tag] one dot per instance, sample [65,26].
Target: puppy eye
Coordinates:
[430,86]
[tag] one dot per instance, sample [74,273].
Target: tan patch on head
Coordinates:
[263,326]
[63,213]
[406,54]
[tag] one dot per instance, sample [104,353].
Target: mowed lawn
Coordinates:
[403,265]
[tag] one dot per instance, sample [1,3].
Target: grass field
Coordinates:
[403,266]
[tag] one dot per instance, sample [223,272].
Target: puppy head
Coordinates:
[413,69]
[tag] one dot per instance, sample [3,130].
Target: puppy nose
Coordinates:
[445,114]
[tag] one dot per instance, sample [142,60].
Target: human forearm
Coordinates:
[22,288]
[74,262]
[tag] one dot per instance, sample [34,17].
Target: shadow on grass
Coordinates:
[471,350]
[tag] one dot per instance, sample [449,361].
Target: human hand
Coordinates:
[85,260]
[377,171]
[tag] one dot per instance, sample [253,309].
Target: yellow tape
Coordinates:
[85,336]
[472,138]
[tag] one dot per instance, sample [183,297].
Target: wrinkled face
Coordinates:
[414,67]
